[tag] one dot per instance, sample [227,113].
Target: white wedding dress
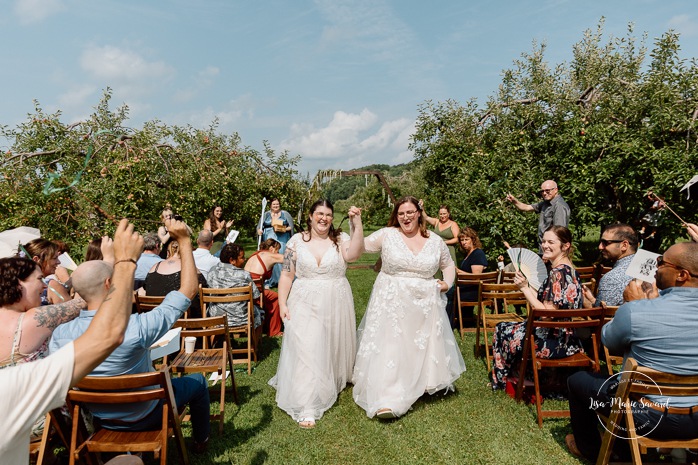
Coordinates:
[319,343]
[406,346]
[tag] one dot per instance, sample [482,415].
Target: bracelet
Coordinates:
[127,260]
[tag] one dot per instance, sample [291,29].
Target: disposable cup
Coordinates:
[189,343]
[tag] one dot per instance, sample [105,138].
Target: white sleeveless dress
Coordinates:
[319,343]
[406,346]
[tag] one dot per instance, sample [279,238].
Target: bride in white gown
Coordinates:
[406,346]
[319,343]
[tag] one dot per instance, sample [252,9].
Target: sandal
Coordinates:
[385,414]
[307,423]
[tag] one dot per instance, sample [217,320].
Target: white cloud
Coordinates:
[120,66]
[684,24]
[77,96]
[339,137]
[34,11]
[201,81]
[351,140]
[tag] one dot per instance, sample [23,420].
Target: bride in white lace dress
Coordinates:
[406,346]
[319,343]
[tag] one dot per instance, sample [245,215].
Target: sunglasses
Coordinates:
[661,262]
[607,242]
[546,191]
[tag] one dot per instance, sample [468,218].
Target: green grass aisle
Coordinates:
[471,426]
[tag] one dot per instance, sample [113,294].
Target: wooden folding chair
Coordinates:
[470,279]
[591,275]
[127,389]
[611,360]
[245,294]
[56,427]
[591,318]
[145,303]
[506,277]
[635,384]
[207,360]
[497,298]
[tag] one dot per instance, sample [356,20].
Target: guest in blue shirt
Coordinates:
[149,257]
[92,280]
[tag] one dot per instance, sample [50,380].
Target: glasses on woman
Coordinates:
[408,214]
[320,216]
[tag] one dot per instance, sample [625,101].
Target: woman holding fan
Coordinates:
[562,289]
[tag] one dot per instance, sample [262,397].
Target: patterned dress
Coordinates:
[563,288]
[406,346]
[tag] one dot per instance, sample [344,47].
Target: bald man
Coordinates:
[553,209]
[92,280]
[660,333]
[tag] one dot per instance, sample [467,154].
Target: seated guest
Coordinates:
[202,255]
[475,261]
[562,289]
[62,274]
[618,245]
[46,253]
[229,273]
[92,281]
[260,265]
[29,390]
[26,325]
[94,250]
[657,331]
[165,277]
[149,257]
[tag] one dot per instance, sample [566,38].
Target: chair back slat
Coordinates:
[146,303]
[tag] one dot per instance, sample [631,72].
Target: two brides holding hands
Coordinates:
[405,344]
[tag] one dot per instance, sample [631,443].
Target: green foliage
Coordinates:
[607,127]
[133,173]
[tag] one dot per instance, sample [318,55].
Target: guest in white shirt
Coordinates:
[202,255]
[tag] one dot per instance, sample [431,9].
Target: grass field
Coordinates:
[471,426]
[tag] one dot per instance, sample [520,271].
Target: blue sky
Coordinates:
[338,82]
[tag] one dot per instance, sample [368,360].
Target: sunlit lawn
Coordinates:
[472,425]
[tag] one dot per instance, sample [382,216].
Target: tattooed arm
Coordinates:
[288,273]
[40,322]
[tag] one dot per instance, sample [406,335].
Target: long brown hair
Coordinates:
[394,223]
[334,233]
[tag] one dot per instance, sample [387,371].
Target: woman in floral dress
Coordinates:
[562,289]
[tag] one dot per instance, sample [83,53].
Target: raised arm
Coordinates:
[356,244]
[427,218]
[189,281]
[106,331]
[524,207]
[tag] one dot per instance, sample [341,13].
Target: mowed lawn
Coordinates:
[471,426]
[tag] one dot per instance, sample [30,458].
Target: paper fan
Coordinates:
[530,264]
[232,235]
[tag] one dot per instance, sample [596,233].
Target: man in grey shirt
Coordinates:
[553,209]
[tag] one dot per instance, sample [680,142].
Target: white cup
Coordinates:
[189,343]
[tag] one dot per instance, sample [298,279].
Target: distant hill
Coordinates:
[344,187]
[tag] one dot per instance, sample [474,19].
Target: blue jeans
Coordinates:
[192,390]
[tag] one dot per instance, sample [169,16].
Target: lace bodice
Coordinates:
[398,260]
[332,264]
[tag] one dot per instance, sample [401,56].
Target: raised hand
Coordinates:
[177,229]
[127,244]
[107,248]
